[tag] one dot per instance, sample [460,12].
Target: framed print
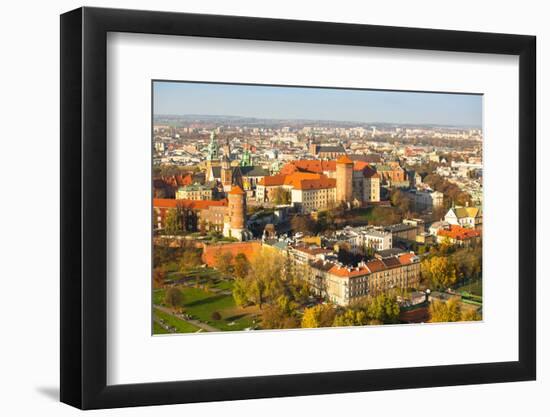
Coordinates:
[257,208]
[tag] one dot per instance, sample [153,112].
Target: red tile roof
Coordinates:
[315,184]
[272,181]
[345,272]
[458,233]
[376,265]
[308,165]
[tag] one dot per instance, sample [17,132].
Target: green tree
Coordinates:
[383,308]
[173,223]
[173,297]
[240,292]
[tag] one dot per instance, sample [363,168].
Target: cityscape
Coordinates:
[298,208]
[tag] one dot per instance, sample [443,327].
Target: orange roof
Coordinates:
[458,233]
[323,182]
[344,272]
[308,165]
[344,159]
[273,180]
[376,265]
[190,204]
[360,165]
[236,190]
[406,258]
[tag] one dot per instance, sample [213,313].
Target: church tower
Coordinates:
[344,179]
[226,173]
[212,156]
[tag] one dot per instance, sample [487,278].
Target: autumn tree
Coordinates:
[445,311]
[351,317]
[400,200]
[439,271]
[241,266]
[159,275]
[303,224]
[273,317]
[280,196]
[173,297]
[470,314]
[321,315]
[222,261]
[191,258]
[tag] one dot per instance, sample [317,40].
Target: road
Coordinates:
[200,324]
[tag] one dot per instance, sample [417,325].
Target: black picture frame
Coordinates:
[84,207]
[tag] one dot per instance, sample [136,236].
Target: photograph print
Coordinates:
[286,207]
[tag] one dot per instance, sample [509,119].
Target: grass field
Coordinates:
[200,304]
[180,325]
[158,329]
[475,288]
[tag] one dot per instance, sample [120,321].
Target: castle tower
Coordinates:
[344,179]
[235,222]
[226,173]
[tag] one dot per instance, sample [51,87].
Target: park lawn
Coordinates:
[364,214]
[181,325]
[224,285]
[201,304]
[158,329]
[474,287]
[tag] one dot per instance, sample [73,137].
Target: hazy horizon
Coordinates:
[180,99]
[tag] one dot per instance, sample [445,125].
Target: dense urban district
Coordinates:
[281,224]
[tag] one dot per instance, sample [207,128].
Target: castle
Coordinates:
[318,184]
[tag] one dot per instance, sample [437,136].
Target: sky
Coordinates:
[273,102]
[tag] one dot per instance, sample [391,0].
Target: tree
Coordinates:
[439,271]
[159,276]
[351,317]
[280,196]
[240,292]
[273,317]
[470,314]
[173,297]
[321,315]
[173,223]
[443,312]
[383,308]
[191,258]
[400,200]
[302,224]
[241,266]
[222,261]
